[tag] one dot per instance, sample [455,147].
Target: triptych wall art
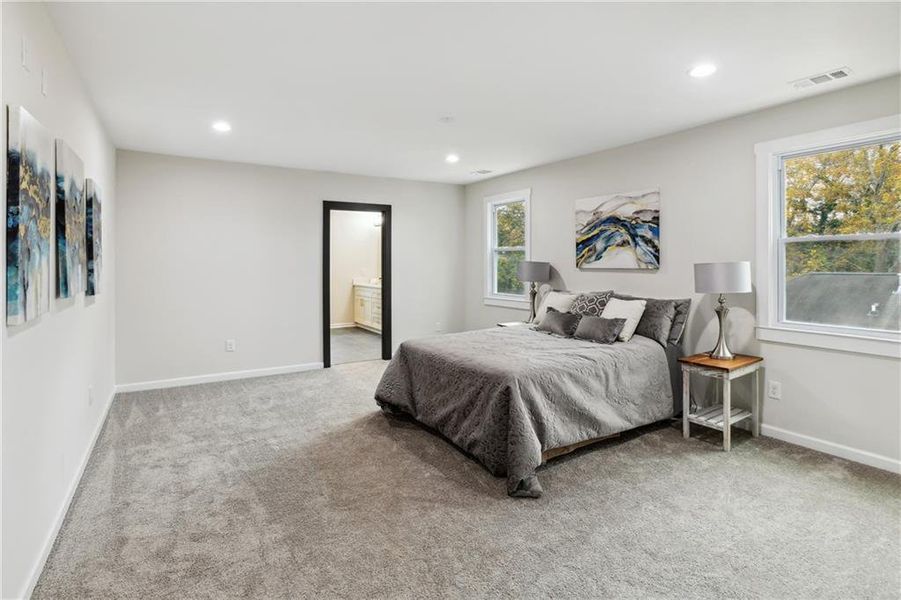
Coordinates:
[71,255]
[47,194]
[619,231]
[93,236]
[29,192]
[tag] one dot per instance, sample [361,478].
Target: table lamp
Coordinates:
[532,271]
[722,278]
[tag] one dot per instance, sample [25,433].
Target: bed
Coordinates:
[513,397]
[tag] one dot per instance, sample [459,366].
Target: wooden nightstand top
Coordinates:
[703,360]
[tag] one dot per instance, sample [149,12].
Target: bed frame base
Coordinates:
[555,452]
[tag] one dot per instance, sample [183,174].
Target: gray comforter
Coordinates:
[506,394]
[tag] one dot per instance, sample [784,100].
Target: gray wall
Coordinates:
[213,250]
[706,177]
[50,364]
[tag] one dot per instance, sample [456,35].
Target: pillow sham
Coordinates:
[590,303]
[599,329]
[561,301]
[663,319]
[630,310]
[560,323]
[682,307]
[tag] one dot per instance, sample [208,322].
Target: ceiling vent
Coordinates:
[822,78]
[481,172]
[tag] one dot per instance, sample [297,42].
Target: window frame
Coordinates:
[491,203]
[771,241]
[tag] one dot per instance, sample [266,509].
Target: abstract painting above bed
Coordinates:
[618,231]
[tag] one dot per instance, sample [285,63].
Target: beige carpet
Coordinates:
[296,487]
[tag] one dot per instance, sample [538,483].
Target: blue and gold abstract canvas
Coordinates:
[619,231]
[29,192]
[71,252]
[93,233]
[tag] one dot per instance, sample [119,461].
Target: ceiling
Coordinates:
[362,88]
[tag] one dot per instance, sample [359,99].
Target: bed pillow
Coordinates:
[590,304]
[657,319]
[663,319]
[682,307]
[560,323]
[630,310]
[561,301]
[599,329]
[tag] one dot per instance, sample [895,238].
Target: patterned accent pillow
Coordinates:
[591,304]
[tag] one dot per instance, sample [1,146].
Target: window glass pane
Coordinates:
[510,224]
[855,190]
[852,284]
[505,265]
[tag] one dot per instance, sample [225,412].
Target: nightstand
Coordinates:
[720,417]
[514,324]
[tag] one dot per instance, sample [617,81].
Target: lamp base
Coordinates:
[533,291]
[721,351]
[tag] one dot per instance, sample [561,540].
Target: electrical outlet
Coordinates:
[438,326]
[90,395]
[231,346]
[774,390]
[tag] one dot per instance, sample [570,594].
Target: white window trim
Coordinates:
[769,219]
[489,296]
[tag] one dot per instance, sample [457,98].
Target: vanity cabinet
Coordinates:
[368,307]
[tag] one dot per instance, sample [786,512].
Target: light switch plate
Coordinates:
[26,57]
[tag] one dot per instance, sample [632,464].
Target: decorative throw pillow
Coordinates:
[682,307]
[599,329]
[630,310]
[663,319]
[561,323]
[590,304]
[561,301]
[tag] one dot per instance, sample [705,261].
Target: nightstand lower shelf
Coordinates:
[712,416]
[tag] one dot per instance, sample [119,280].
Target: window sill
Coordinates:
[831,341]
[514,303]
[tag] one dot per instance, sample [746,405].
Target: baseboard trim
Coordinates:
[213,377]
[861,456]
[64,509]
[341,325]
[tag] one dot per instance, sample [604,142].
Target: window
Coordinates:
[833,210]
[508,245]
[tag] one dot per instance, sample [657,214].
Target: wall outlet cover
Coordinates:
[774,390]
[231,346]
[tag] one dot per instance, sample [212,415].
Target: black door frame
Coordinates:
[327,207]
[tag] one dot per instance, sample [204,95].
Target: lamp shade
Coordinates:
[723,277]
[529,270]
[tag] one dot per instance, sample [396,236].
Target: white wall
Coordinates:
[48,425]
[706,177]
[214,250]
[356,245]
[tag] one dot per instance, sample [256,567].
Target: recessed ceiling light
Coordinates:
[703,70]
[222,126]
[452,158]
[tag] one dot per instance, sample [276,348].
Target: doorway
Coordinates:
[356,282]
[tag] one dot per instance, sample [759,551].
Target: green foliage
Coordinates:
[857,190]
[507,263]
[510,226]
